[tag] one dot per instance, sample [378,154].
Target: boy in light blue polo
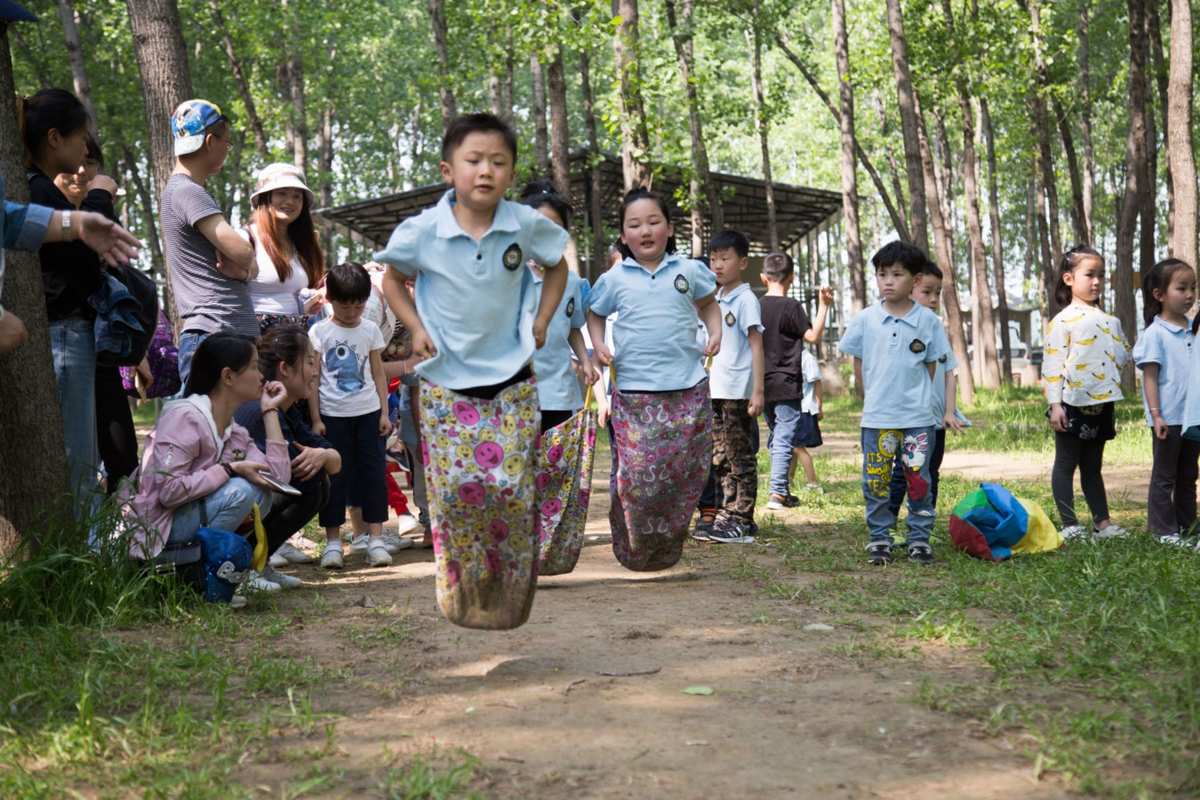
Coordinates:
[896,345]
[736,386]
[477,322]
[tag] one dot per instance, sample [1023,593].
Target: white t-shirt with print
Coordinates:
[347,387]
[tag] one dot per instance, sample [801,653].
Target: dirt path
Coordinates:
[587,701]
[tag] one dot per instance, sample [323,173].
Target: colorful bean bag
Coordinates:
[992,524]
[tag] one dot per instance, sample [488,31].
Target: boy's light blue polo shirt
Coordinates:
[558,388]
[655,332]
[475,298]
[732,373]
[894,353]
[947,363]
[1169,346]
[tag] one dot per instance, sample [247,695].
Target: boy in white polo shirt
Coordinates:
[736,385]
[476,321]
[896,345]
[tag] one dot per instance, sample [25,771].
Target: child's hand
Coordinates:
[825,296]
[714,345]
[588,372]
[952,422]
[422,345]
[539,332]
[603,354]
[755,406]
[602,415]
[385,424]
[318,427]
[1058,418]
[1160,427]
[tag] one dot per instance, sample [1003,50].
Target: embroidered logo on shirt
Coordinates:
[571,307]
[681,284]
[730,319]
[512,257]
[917,346]
[942,360]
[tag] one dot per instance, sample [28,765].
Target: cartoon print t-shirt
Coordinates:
[347,387]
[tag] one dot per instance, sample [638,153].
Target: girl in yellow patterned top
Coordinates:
[1084,354]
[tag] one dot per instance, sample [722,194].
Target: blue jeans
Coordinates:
[782,418]
[73,350]
[900,483]
[188,342]
[224,509]
[880,447]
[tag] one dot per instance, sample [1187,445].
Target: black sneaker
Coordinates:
[778,502]
[731,531]
[879,553]
[920,552]
[704,528]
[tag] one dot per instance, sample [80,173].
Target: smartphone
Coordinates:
[282,488]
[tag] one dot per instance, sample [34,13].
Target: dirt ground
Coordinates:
[587,699]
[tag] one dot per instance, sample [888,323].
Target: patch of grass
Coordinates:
[420,779]
[1093,649]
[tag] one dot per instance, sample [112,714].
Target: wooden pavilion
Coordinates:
[799,210]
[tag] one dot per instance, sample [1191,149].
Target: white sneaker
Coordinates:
[332,557]
[405,524]
[257,583]
[1113,531]
[394,543]
[358,542]
[291,555]
[1173,539]
[284,581]
[1075,532]
[377,554]
[237,601]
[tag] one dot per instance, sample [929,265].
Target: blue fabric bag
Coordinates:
[120,336]
[227,558]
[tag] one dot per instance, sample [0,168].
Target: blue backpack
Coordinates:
[226,559]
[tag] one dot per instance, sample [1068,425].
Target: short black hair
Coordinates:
[778,266]
[542,193]
[901,254]
[933,270]
[731,240]
[463,126]
[348,282]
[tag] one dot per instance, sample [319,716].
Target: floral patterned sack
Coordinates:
[479,457]
[564,488]
[663,450]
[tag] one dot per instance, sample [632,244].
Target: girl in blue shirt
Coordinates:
[661,415]
[1164,354]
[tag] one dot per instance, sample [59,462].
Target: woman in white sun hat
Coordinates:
[286,247]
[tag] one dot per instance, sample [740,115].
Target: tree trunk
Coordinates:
[166,82]
[910,124]
[1085,118]
[1135,174]
[1041,131]
[1049,271]
[1031,233]
[635,139]
[895,208]
[595,208]
[30,418]
[560,132]
[541,134]
[854,254]
[295,70]
[239,77]
[437,18]
[83,88]
[327,180]
[1154,30]
[1179,145]
[997,249]
[1148,194]
[146,201]
[983,323]
[762,124]
[702,193]
[1079,214]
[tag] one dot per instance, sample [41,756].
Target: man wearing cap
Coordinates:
[210,262]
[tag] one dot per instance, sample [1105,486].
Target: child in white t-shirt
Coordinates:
[351,411]
[808,429]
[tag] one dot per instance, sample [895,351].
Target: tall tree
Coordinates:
[437,18]
[240,79]
[909,124]
[30,419]
[1149,204]
[1135,174]
[841,46]
[635,138]
[702,192]
[560,132]
[537,108]
[299,113]
[1079,214]
[146,202]
[83,87]
[1180,155]
[998,276]
[1083,62]
[762,124]
[595,210]
[1041,128]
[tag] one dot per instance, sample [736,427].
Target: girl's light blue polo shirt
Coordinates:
[558,388]
[947,363]
[894,352]
[732,372]
[655,332]
[1169,346]
[475,298]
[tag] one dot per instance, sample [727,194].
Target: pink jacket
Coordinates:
[182,462]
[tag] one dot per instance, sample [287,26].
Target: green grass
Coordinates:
[1094,650]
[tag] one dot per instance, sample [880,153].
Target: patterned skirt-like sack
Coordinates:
[564,488]
[479,458]
[664,452]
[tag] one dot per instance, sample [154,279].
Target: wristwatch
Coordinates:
[228,470]
[66,221]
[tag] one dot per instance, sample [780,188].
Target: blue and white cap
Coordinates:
[190,122]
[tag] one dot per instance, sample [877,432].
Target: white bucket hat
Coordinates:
[281,176]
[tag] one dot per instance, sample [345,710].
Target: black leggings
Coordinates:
[1070,452]
[114,426]
[290,514]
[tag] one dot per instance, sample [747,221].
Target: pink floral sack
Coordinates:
[564,489]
